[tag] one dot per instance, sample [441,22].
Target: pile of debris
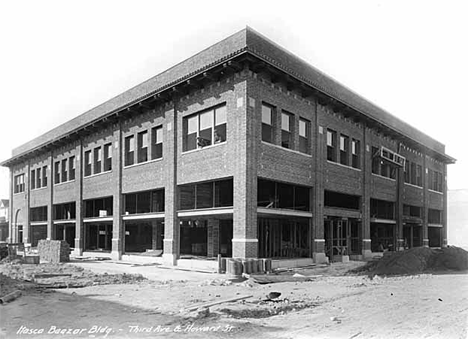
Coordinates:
[417,260]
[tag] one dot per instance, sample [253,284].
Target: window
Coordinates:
[344,150]
[440,187]
[38,178]
[64,170]
[206,195]
[157,142]
[271,194]
[144,202]
[38,213]
[87,163]
[267,123]
[71,170]
[304,132]
[287,122]
[355,151]
[331,145]
[142,146]
[204,129]
[375,160]
[57,172]
[98,207]
[65,211]
[97,160]
[129,150]
[434,216]
[108,157]
[382,209]
[407,172]
[33,179]
[412,211]
[44,176]
[19,183]
[419,175]
[341,200]
[413,173]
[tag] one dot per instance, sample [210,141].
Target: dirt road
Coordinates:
[422,306]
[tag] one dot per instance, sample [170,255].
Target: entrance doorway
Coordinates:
[342,237]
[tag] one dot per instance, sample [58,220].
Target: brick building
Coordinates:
[242,150]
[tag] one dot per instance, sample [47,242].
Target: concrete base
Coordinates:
[194,264]
[320,258]
[291,263]
[341,258]
[366,254]
[77,252]
[169,259]
[116,255]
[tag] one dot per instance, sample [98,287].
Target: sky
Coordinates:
[61,58]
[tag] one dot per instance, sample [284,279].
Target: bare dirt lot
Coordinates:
[318,302]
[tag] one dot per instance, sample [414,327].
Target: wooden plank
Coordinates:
[193,308]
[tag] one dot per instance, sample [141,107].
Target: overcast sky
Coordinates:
[61,58]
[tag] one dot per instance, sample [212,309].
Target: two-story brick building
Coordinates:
[242,150]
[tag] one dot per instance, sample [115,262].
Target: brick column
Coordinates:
[318,190]
[445,206]
[366,163]
[244,123]
[399,209]
[118,229]
[79,226]
[27,192]
[171,222]
[12,232]
[425,207]
[50,192]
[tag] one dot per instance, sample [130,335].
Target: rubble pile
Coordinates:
[417,260]
[54,251]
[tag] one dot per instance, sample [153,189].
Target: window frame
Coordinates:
[157,150]
[304,141]
[107,157]
[129,150]
[268,129]
[331,144]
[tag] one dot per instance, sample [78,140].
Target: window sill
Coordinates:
[22,192]
[203,148]
[286,149]
[345,166]
[381,176]
[65,182]
[96,175]
[143,163]
[441,193]
[411,185]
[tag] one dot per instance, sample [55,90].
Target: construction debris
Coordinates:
[53,251]
[10,296]
[193,308]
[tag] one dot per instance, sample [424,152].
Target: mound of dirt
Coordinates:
[417,260]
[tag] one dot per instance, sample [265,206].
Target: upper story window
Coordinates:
[287,123]
[413,173]
[44,176]
[19,183]
[204,129]
[142,151]
[272,194]
[108,157]
[72,166]
[331,145]
[156,142]
[435,181]
[33,179]
[97,160]
[304,136]
[382,167]
[344,150]
[129,150]
[39,177]
[87,163]
[65,211]
[102,207]
[64,170]
[144,202]
[206,195]
[267,123]
[355,152]
[57,172]
[412,211]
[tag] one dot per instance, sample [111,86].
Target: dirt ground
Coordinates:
[324,302]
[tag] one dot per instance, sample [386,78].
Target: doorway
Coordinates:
[99,237]
[342,237]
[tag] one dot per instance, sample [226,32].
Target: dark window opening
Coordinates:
[194,237]
[341,200]
[271,194]
[375,161]
[144,202]
[57,172]
[87,163]
[435,236]
[108,157]
[304,133]
[382,209]
[129,150]
[267,123]
[33,179]
[44,176]
[331,145]
[434,216]
[356,151]
[72,166]
[157,142]
[65,211]
[38,213]
[287,123]
[102,207]
[64,170]
[344,150]
[39,178]
[144,236]
[97,160]
[412,211]
[206,195]
[142,146]
[19,183]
